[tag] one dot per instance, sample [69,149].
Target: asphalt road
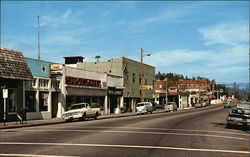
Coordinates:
[187,133]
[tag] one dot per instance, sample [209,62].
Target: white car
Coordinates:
[81,111]
[144,108]
[170,107]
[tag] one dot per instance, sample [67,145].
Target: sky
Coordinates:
[193,38]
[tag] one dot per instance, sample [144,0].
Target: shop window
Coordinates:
[43,101]
[43,83]
[133,77]
[30,101]
[12,100]
[55,84]
[30,84]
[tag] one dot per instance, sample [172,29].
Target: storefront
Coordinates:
[81,86]
[13,73]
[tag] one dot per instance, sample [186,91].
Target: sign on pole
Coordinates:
[5,96]
[5,93]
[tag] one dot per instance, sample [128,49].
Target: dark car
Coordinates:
[159,106]
[238,116]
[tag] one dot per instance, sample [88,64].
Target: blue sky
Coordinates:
[209,39]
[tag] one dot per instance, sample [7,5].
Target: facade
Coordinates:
[130,71]
[184,92]
[41,94]
[79,85]
[13,74]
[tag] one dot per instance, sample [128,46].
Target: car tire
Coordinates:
[68,120]
[228,125]
[83,118]
[96,115]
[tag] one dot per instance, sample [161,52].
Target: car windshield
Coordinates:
[73,107]
[140,104]
[237,111]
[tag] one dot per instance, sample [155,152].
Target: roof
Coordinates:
[13,65]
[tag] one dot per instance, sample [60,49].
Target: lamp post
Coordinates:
[97,58]
[142,75]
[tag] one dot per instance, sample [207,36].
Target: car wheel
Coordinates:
[96,115]
[67,120]
[228,125]
[83,117]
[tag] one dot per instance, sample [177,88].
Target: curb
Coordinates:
[60,122]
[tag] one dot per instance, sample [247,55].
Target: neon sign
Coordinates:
[82,82]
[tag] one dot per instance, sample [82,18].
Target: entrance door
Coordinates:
[113,103]
[1,106]
[54,104]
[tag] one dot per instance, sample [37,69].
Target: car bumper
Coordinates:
[71,117]
[232,122]
[141,112]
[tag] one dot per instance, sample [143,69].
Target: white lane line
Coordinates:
[128,146]
[34,155]
[164,129]
[159,129]
[140,132]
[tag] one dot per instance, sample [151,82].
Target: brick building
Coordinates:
[184,92]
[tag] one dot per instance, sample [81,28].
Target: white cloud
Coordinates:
[226,33]
[67,14]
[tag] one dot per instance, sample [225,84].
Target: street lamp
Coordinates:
[142,74]
[97,58]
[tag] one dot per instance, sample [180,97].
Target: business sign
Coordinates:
[146,87]
[56,69]
[82,82]
[5,93]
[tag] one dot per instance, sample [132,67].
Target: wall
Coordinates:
[112,66]
[132,75]
[36,65]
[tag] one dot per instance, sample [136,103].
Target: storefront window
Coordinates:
[43,101]
[43,83]
[30,101]
[55,84]
[12,100]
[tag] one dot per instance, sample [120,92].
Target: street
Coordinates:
[194,132]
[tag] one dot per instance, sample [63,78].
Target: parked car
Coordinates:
[197,105]
[144,108]
[203,104]
[227,105]
[159,106]
[81,111]
[238,116]
[171,107]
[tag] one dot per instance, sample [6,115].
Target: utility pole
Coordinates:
[142,77]
[38,32]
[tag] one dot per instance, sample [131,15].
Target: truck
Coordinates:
[81,111]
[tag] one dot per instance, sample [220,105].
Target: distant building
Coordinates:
[184,92]
[13,73]
[130,71]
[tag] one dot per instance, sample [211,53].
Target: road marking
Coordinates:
[34,155]
[127,146]
[162,129]
[140,128]
[140,132]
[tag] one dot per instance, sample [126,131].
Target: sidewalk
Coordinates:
[14,124]
[10,125]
